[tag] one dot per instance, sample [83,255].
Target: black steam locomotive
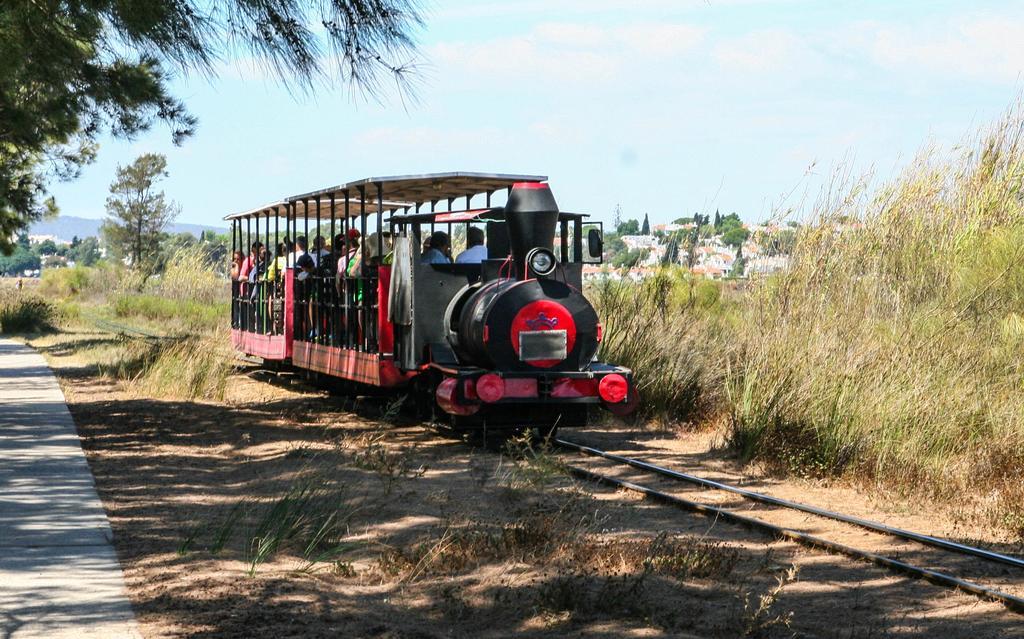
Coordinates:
[505,340]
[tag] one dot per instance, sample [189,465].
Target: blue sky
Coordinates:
[664,107]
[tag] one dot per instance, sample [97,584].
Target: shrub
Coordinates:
[22,312]
[66,282]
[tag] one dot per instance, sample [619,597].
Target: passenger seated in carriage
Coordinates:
[237,257]
[248,262]
[476,251]
[279,263]
[439,251]
[307,291]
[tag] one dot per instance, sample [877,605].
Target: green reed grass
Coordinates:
[310,519]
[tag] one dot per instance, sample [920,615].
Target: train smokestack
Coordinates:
[531,216]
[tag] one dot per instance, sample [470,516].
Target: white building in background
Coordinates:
[39,239]
[671,228]
[633,242]
[766,265]
[706,270]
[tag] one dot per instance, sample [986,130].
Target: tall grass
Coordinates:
[189,368]
[666,329]
[892,349]
[189,295]
[188,304]
[190,276]
[181,368]
[25,312]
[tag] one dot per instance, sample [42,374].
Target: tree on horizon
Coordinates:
[137,212]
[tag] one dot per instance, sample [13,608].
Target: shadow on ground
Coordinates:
[449,540]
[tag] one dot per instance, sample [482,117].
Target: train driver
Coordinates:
[476,251]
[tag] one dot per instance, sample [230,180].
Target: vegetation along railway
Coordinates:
[489,345]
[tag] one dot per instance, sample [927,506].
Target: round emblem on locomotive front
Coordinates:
[543,333]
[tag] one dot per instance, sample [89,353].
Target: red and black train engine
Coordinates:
[504,342]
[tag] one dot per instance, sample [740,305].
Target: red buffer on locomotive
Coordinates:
[506,342]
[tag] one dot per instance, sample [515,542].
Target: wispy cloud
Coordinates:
[574,53]
[597,7]
[980,47]
[767,51]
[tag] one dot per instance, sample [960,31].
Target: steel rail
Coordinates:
[123,329]
[937,542]
[1010,601]
[137,333]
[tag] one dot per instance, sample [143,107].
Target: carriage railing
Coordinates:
[337,310]
[236,305]
[258,307]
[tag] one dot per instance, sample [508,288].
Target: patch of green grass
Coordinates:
[176,314]
[311,519]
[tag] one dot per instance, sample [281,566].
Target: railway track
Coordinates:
[1012,602]
[133,332]
[124,330]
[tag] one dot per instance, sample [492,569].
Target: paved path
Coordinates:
[59,575]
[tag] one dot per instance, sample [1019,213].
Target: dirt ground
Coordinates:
[285,512]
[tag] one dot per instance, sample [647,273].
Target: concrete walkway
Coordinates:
[59,575]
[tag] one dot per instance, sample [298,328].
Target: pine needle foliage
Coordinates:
[72,70]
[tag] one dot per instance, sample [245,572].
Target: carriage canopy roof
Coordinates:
[414,189]
[397,191]
[308,209]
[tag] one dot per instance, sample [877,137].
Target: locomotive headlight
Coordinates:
[541,261]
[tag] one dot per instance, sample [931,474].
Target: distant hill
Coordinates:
[65,227]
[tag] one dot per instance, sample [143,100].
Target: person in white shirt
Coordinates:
[300,250]
[475,252]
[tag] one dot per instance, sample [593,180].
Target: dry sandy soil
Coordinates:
[285,512]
